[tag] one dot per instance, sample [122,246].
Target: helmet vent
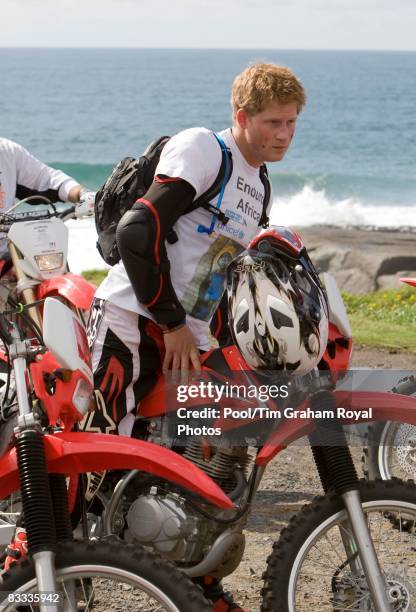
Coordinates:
[242,323]
[280,320]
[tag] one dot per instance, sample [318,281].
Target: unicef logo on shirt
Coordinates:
[234,232]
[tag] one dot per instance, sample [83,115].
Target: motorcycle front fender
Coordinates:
[79,452]
[74,288]
[362,407]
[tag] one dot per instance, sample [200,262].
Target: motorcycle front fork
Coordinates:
[26,285]
[44,497]
[337,472]
[37,509]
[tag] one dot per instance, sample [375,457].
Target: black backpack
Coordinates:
[130,180]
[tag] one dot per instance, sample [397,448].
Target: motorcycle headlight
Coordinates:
[82,396]
[49,262]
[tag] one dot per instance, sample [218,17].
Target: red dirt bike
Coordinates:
[343,551]
[33,266]
[391,449]
[53,382]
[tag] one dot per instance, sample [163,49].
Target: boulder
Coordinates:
[362,260]
[392,281]
[354,280]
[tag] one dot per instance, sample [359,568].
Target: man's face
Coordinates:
[268,134]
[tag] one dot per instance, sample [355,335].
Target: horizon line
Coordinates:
[375,50]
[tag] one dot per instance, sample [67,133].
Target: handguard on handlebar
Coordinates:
[85,207]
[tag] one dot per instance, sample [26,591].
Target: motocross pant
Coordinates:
[126,351]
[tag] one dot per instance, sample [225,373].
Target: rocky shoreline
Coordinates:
[362,259]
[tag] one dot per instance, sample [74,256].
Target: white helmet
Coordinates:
[277,307]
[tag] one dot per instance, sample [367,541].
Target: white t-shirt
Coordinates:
[19,167]
[198,261]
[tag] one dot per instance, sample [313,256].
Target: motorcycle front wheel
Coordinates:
[309,568]
[105,576]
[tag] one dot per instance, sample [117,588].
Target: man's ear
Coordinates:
[241,118]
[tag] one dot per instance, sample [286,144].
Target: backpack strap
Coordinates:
[264,177]
[216,188]
[219,185]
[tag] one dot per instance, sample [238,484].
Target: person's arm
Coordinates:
[36,178]
[141,237]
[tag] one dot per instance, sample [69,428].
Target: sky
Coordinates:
[250,24]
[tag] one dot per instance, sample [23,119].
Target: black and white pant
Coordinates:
[126,351]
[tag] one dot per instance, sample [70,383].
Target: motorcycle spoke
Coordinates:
[377,541]
[353,606]
[329,567]
[350,591]
[335,550]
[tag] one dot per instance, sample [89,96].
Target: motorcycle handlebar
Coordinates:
[6,220]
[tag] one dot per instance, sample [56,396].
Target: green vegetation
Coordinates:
[95,276]
[385,318]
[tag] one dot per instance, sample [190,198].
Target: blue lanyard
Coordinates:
[203,229]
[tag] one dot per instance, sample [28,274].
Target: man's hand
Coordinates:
[180,350]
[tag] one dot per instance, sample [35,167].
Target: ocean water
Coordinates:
[352,161]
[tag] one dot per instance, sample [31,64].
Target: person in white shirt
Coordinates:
[154,309]
[172,289]
[23,175]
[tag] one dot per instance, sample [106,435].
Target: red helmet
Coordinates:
[277,305]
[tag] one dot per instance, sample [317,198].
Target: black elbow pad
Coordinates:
[135,231]
[142,250]
[136,237]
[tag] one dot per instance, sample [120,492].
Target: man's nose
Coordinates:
[284,132]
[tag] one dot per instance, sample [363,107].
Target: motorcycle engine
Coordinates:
[165,522]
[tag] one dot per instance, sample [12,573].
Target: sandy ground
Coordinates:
[291,481]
